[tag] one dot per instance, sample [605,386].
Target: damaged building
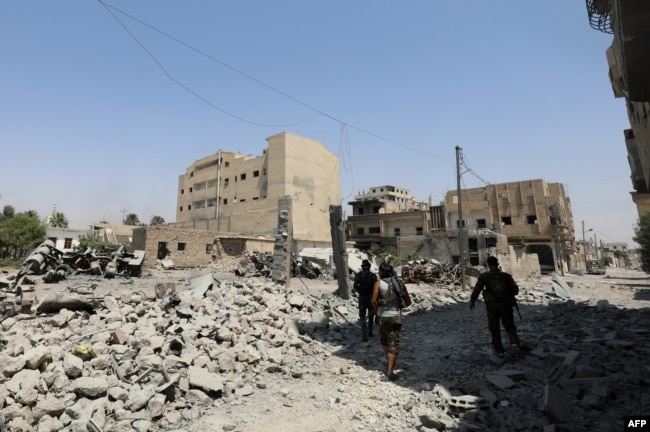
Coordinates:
[535,216]
[236,193]
[628,59]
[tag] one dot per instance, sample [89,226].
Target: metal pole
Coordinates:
[461,234]
[584,254]
[596,246]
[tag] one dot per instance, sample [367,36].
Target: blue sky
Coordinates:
[98,119]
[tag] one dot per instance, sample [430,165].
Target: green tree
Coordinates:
[58,220]
[132,219]
[20,234]
[157,220]
[7,212]
[642,237]
[92,241]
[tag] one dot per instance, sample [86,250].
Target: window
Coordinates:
[242,176]
[190,190]
[225,201]
[192,174]
[182,191]
[376,209]
[506,220]
[480,223]
[242,200]
[181,208]
[419,231]
[181,246]
[226,181]
[458,224]
[208,249]
[256,173]
[67,243]
[397,232]
[264,171]
[532,220]
[360,211]
[374,230]
[255,198]
[360,231]
[554,220]
[227,164]
[189,206]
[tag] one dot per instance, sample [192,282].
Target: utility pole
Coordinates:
[461,233]
[584,254]
[123,215]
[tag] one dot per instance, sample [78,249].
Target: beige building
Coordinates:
[385,212]
[628,59]
[534,215]
[232,192]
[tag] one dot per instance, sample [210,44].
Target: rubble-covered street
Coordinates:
[205,350]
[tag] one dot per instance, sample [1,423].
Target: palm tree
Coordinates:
[58,220]
[31,213]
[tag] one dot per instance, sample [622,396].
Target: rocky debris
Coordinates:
[201,354]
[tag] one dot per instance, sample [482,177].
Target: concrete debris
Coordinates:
[162,356]
[57,265]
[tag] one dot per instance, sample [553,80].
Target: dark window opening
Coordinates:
[397,232]
[376,209]
[162,250]
[225,201]
[181,246]
[189,207]
[256,173]
[360,211]
[480,223]
[242,176]
[458,224]
[67,243]
[506,220]
[190,190]
[532,220]
[226,181]
[227,164]
[360,231]
[419,231]
[374,230]
[182,191]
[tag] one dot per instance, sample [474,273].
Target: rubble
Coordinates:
[190,351]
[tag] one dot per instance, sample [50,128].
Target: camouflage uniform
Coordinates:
[499,289]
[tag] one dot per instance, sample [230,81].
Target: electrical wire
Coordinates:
[108,8]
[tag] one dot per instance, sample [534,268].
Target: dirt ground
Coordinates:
[442,342]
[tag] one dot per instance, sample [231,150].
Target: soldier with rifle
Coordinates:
[499,291]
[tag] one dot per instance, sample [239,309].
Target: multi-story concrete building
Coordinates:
[534,215]
[232,192]
[629,71]
[386,212]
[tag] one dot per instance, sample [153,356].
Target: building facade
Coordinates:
[628,59]
[534,215]
[385,212]
[232,192]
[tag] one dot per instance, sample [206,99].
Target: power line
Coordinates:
[108,8]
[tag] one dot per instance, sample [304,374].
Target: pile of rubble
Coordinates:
[166,354]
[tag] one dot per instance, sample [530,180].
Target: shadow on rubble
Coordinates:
[577,358]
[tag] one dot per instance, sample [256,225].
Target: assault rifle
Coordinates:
[516,305]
